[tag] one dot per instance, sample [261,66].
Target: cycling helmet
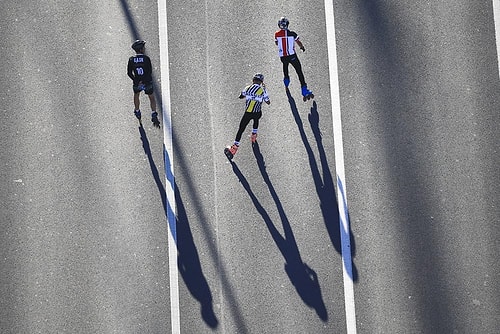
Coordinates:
[259,76]
[138,45]
[283,23]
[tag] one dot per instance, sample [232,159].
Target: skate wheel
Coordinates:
[308,97]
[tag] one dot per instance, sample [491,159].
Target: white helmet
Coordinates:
[258,76]
[283,23]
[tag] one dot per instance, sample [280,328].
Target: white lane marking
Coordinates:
[339,165]
[496,17]
[169,168]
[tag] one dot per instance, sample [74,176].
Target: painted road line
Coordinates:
[169,168]
[496,17]
[339,166]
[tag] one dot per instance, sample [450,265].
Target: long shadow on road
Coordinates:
[323,181]
[188,259]
[303,278]
[189,265]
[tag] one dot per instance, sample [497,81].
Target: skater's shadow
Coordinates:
[323,182]
[303,278]
[188,260]
[189,265]
[152,165]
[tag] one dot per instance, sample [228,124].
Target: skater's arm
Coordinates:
[130,71]
[149,66]
[243,93]
[301,46]
[266,97]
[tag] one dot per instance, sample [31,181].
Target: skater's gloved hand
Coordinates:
[303,48]
[241,96]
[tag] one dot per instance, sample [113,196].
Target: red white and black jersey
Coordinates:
[285,40]
[139,68]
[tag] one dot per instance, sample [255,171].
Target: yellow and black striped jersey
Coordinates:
[254,94]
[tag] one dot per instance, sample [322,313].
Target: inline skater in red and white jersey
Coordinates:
[285,40]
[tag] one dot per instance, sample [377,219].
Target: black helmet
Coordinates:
[259,76]
[138,45]
[283,23]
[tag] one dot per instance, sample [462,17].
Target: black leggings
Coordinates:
[294,60]
[247,117]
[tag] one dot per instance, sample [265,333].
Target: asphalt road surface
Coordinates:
[84,231]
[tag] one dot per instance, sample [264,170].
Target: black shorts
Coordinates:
[147,88]
[289,59]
